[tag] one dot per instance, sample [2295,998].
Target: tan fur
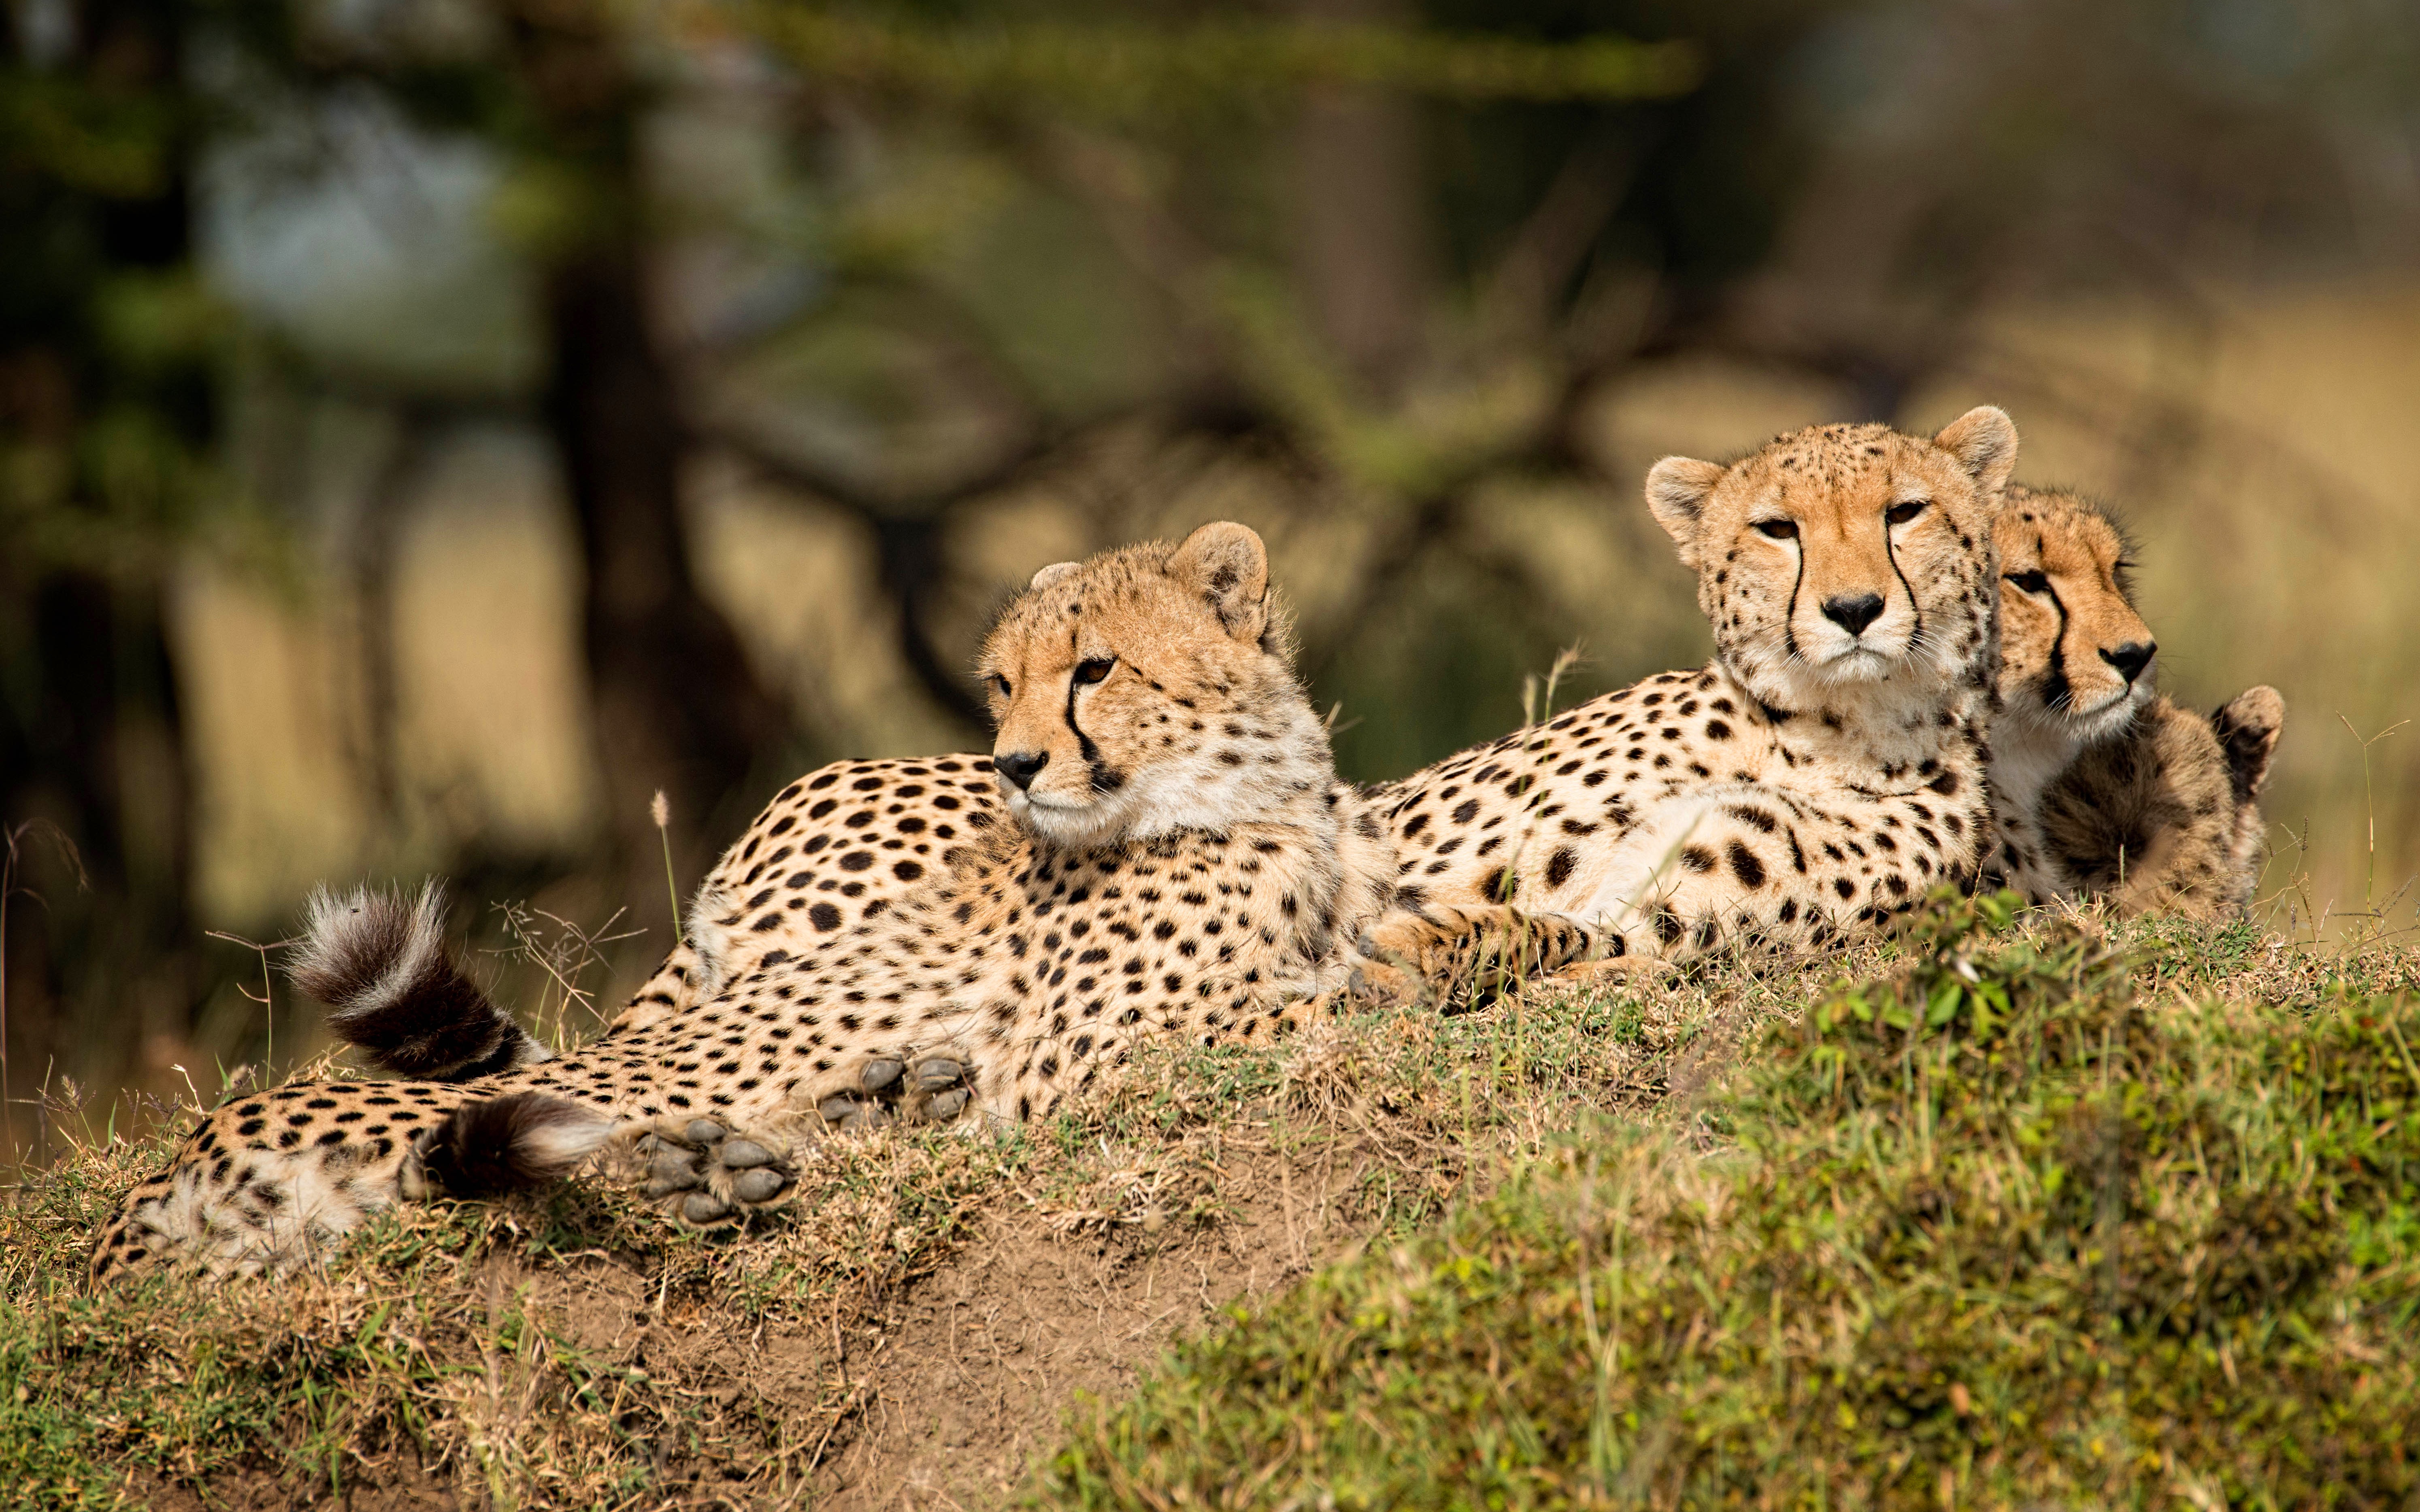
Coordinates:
[2100,787]
[882,915]
[2164,817]
[2067,614]
[1816,778]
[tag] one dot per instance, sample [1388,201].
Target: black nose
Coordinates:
[1854,614]
[2131,658]
[1019,766]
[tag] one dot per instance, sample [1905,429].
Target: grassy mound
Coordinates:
[570,1350]
[2016,1225]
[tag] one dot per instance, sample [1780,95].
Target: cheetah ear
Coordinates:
[1677,489]
[1051,573]
[2247,731]
[1984,440]
[1226,564]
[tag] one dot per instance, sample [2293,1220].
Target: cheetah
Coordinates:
[2100,787]
[1173,855]
[2165,818]
[1840,727]
[1823,771]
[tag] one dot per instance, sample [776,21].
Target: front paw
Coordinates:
[1375,983]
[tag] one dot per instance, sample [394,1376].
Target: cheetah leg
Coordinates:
[1463,959]
[707,1175]
[930,1087]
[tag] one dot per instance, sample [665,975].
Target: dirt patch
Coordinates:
[963,1379]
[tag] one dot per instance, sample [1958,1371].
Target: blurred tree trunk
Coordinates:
[675,703]
[101,966]
[1362,251]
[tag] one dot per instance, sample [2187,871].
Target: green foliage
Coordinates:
[1990,1229]
[1123,71]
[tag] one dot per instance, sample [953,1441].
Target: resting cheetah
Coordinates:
[1182,860]
[1822,772]
[2100,786]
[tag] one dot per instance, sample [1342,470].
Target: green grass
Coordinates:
[2029,1221]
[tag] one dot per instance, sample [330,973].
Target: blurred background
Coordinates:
[427,427]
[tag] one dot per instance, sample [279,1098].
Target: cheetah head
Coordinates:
[1151,689]
[1846,557]
[2074,656]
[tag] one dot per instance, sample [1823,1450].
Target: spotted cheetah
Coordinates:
[1819,774]
[1823,769]
[1175,856]
[2100,786]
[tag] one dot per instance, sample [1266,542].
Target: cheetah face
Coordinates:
[1148,691]
[1845,556]
[2073,654]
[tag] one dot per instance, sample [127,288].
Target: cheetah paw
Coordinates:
[708,1176]
[924,1090]
[1379,984]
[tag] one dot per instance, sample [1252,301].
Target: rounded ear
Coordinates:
[2248,728]
[1984,441]
[1677,489]
[1226,564]
[1051,573]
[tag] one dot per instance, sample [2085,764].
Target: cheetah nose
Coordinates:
[1019,766]
[1854,614]
[2131,658]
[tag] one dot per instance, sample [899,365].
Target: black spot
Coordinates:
[1558,866]
[824,916]
[1745,866]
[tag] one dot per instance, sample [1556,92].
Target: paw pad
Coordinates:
[931,1089]
[705,1175]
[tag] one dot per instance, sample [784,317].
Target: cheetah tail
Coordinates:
[503,1144]
[379,960]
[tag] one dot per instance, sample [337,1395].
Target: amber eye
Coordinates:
[1779,530]
[2031,583]
[1092,671]
[1001,683]
[1901,513]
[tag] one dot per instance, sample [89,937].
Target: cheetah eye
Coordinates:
[1089,673]
[2030,583]
[1901,513]
[1002,683]
[1778,529]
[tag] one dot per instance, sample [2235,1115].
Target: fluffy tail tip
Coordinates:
[507,1143]
[379,960]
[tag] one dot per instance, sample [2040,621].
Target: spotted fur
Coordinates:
[1191,871]
[2165,817]
[1823,772]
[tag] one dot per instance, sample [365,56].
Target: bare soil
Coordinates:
[964,1379]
